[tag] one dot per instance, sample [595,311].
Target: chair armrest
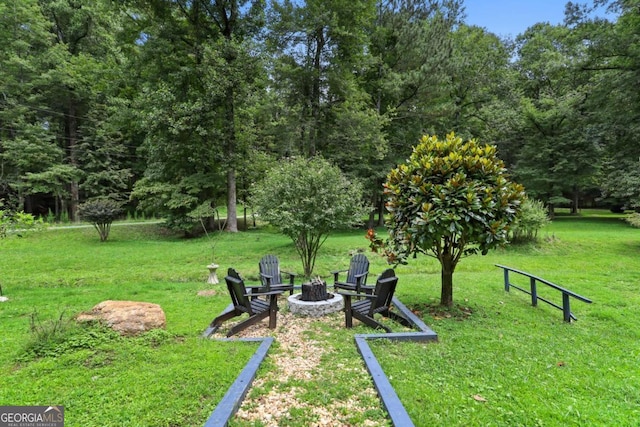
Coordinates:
[367,289]
[266,276]
[251,294]
[356,294]
[361,275]
[336,273]
[292,276]
[349,294]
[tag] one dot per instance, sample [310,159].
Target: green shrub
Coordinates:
[307,199]
[54,337]
[100,212]
[16,221]
[633,219]
[531,219]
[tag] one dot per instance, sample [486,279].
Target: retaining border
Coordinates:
[399,416]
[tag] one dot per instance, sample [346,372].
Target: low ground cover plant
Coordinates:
[498,361]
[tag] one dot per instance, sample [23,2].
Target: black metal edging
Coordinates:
[390,400]
[231,401]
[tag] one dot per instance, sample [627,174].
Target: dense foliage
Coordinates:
[531,218]
[448,200]
[175,107]
[307,200]
[16,221]
[101,213]
[634,219]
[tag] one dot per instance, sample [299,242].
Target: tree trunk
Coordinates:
[372,213]
[316,92]
[576,201]
[245,227]
[232,214]
[230,135]
[381,212]
[446,292]
[72,129]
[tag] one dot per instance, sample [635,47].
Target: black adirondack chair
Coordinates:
[356,274]
[271,276]
[368,305]
[242,302]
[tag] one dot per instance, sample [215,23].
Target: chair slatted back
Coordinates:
[359,265]
[384,290]
[270,266]
[238,291]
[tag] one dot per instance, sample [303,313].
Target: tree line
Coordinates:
[178,107]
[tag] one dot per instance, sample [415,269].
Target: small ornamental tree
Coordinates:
[450,199]
[306,200]
[100,212]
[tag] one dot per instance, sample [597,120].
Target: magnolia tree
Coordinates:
[306,200]
[450,199]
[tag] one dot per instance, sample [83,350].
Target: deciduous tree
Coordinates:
[306,200]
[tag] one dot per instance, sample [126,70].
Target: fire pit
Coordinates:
[315,301]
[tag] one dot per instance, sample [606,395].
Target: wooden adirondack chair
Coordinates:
[242,302]
[271,276]
[368,305]
[356,274]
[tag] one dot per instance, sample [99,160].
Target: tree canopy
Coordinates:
[307,200]
[165,105]
[450,199]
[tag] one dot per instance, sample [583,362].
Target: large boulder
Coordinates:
[127,317]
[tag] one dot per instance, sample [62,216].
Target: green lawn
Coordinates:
[499,361]
[509,364]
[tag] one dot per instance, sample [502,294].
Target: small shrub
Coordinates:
[531,219]
[53,338]
[16,221]
[633,219]
[100,212]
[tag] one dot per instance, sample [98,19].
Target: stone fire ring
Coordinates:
[315,308]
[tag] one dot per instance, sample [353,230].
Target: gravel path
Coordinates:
[301,362]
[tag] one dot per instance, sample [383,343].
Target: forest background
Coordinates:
[177,107]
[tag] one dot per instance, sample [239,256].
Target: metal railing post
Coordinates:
[506,279]
[534,292]
[566,309]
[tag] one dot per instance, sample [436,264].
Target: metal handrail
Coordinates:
[566,294]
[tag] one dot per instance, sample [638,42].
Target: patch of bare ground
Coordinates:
[309,380]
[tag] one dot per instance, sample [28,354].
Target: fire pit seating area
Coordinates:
[356,299]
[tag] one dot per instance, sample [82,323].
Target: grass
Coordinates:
[509,364]
[498,361]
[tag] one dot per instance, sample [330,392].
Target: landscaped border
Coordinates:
[231,401]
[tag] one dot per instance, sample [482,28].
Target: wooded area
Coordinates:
[178,107]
